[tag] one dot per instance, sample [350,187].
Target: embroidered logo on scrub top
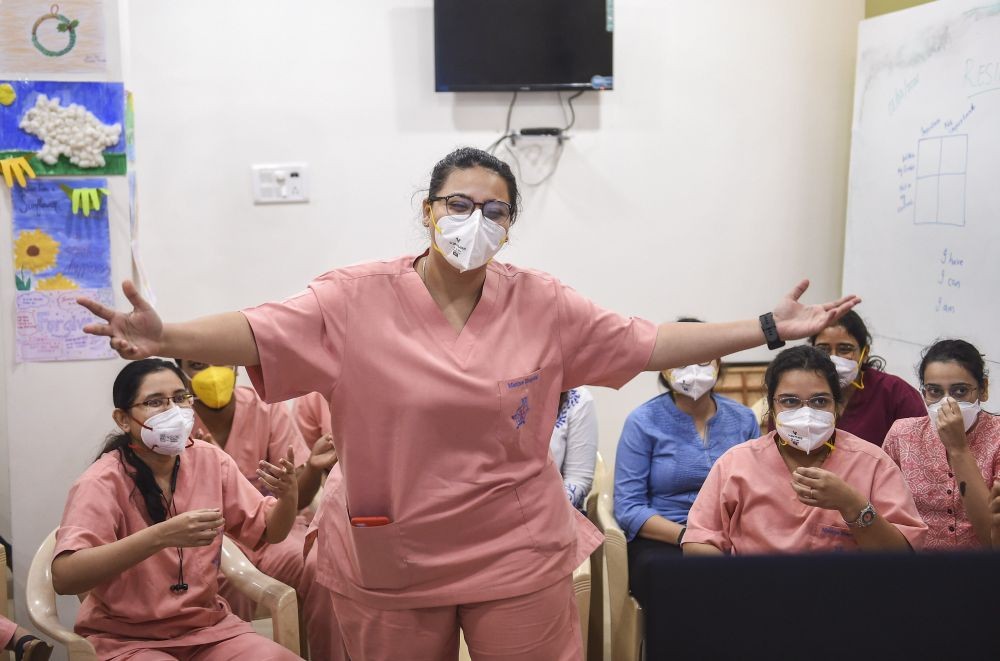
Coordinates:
[521,414]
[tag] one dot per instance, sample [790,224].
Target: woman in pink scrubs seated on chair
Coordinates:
[142,530]
[444,371]
[808,486]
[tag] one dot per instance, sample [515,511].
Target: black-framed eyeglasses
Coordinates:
[183,399]
[462,206]
[818,402]
[935,393]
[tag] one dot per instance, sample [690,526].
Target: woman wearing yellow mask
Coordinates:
[249,430]
[873,398]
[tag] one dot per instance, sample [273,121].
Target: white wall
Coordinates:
[707,183]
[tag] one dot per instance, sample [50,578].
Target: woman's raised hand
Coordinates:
[134,335]
[796,320]
[280,480]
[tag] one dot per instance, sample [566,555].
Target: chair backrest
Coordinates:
[597,487]
[626,614]
[3,583]
[582,587]
[595,635]
[41,601]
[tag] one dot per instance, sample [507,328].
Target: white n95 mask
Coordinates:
[167,432]
[847,369]
[693,380]
[468,243]
[805,428]
[969,410]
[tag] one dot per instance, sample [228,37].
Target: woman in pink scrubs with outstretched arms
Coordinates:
[142,531]
[444,370]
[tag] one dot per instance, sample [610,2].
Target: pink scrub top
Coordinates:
[445,434]
[260,431]
[312,417]
[747,504]
[137,609]
[914,444]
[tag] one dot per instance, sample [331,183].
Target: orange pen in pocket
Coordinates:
[369,521]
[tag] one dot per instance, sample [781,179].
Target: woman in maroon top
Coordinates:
[873,399]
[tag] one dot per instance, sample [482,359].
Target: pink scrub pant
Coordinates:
[244,647]
[283,561]
[541,626]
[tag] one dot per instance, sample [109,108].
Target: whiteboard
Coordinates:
[923,214]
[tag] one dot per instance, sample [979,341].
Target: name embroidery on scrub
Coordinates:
[522,382]
[521,414]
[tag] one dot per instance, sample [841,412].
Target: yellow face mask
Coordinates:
[214,386]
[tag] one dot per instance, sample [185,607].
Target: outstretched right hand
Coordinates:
[194,528]
[135,335]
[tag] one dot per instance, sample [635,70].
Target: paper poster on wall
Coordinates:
[48,326]
[41,37]
[62,249]
[63,128]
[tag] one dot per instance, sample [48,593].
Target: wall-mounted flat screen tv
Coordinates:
[490,45]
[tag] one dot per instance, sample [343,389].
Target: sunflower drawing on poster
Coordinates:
[61,128]
[45,37]
[62,249]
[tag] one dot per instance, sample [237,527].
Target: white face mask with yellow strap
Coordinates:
[849,370]
[805,428]
[468,243]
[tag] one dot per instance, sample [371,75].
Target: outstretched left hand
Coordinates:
[796,320]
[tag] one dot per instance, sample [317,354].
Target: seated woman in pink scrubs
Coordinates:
[142,530]
[251,431]
[808,486]
[19,641]
[444,370]
[950,457]
[872,398]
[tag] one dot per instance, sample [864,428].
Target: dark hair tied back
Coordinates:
[955,351]
[123,393]
[465,158]
[857,329]
[806,358]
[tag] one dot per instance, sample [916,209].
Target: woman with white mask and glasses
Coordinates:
[950,457]
[809,486]
[142,530]
[444,371]
[872,398]
[666,449]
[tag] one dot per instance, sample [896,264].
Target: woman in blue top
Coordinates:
[666,449]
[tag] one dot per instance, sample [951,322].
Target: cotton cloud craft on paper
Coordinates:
[72,130]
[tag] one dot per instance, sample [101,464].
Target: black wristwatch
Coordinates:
[680,535]
[770,329]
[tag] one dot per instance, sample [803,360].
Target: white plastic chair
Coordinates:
[277,598]
[627,620]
